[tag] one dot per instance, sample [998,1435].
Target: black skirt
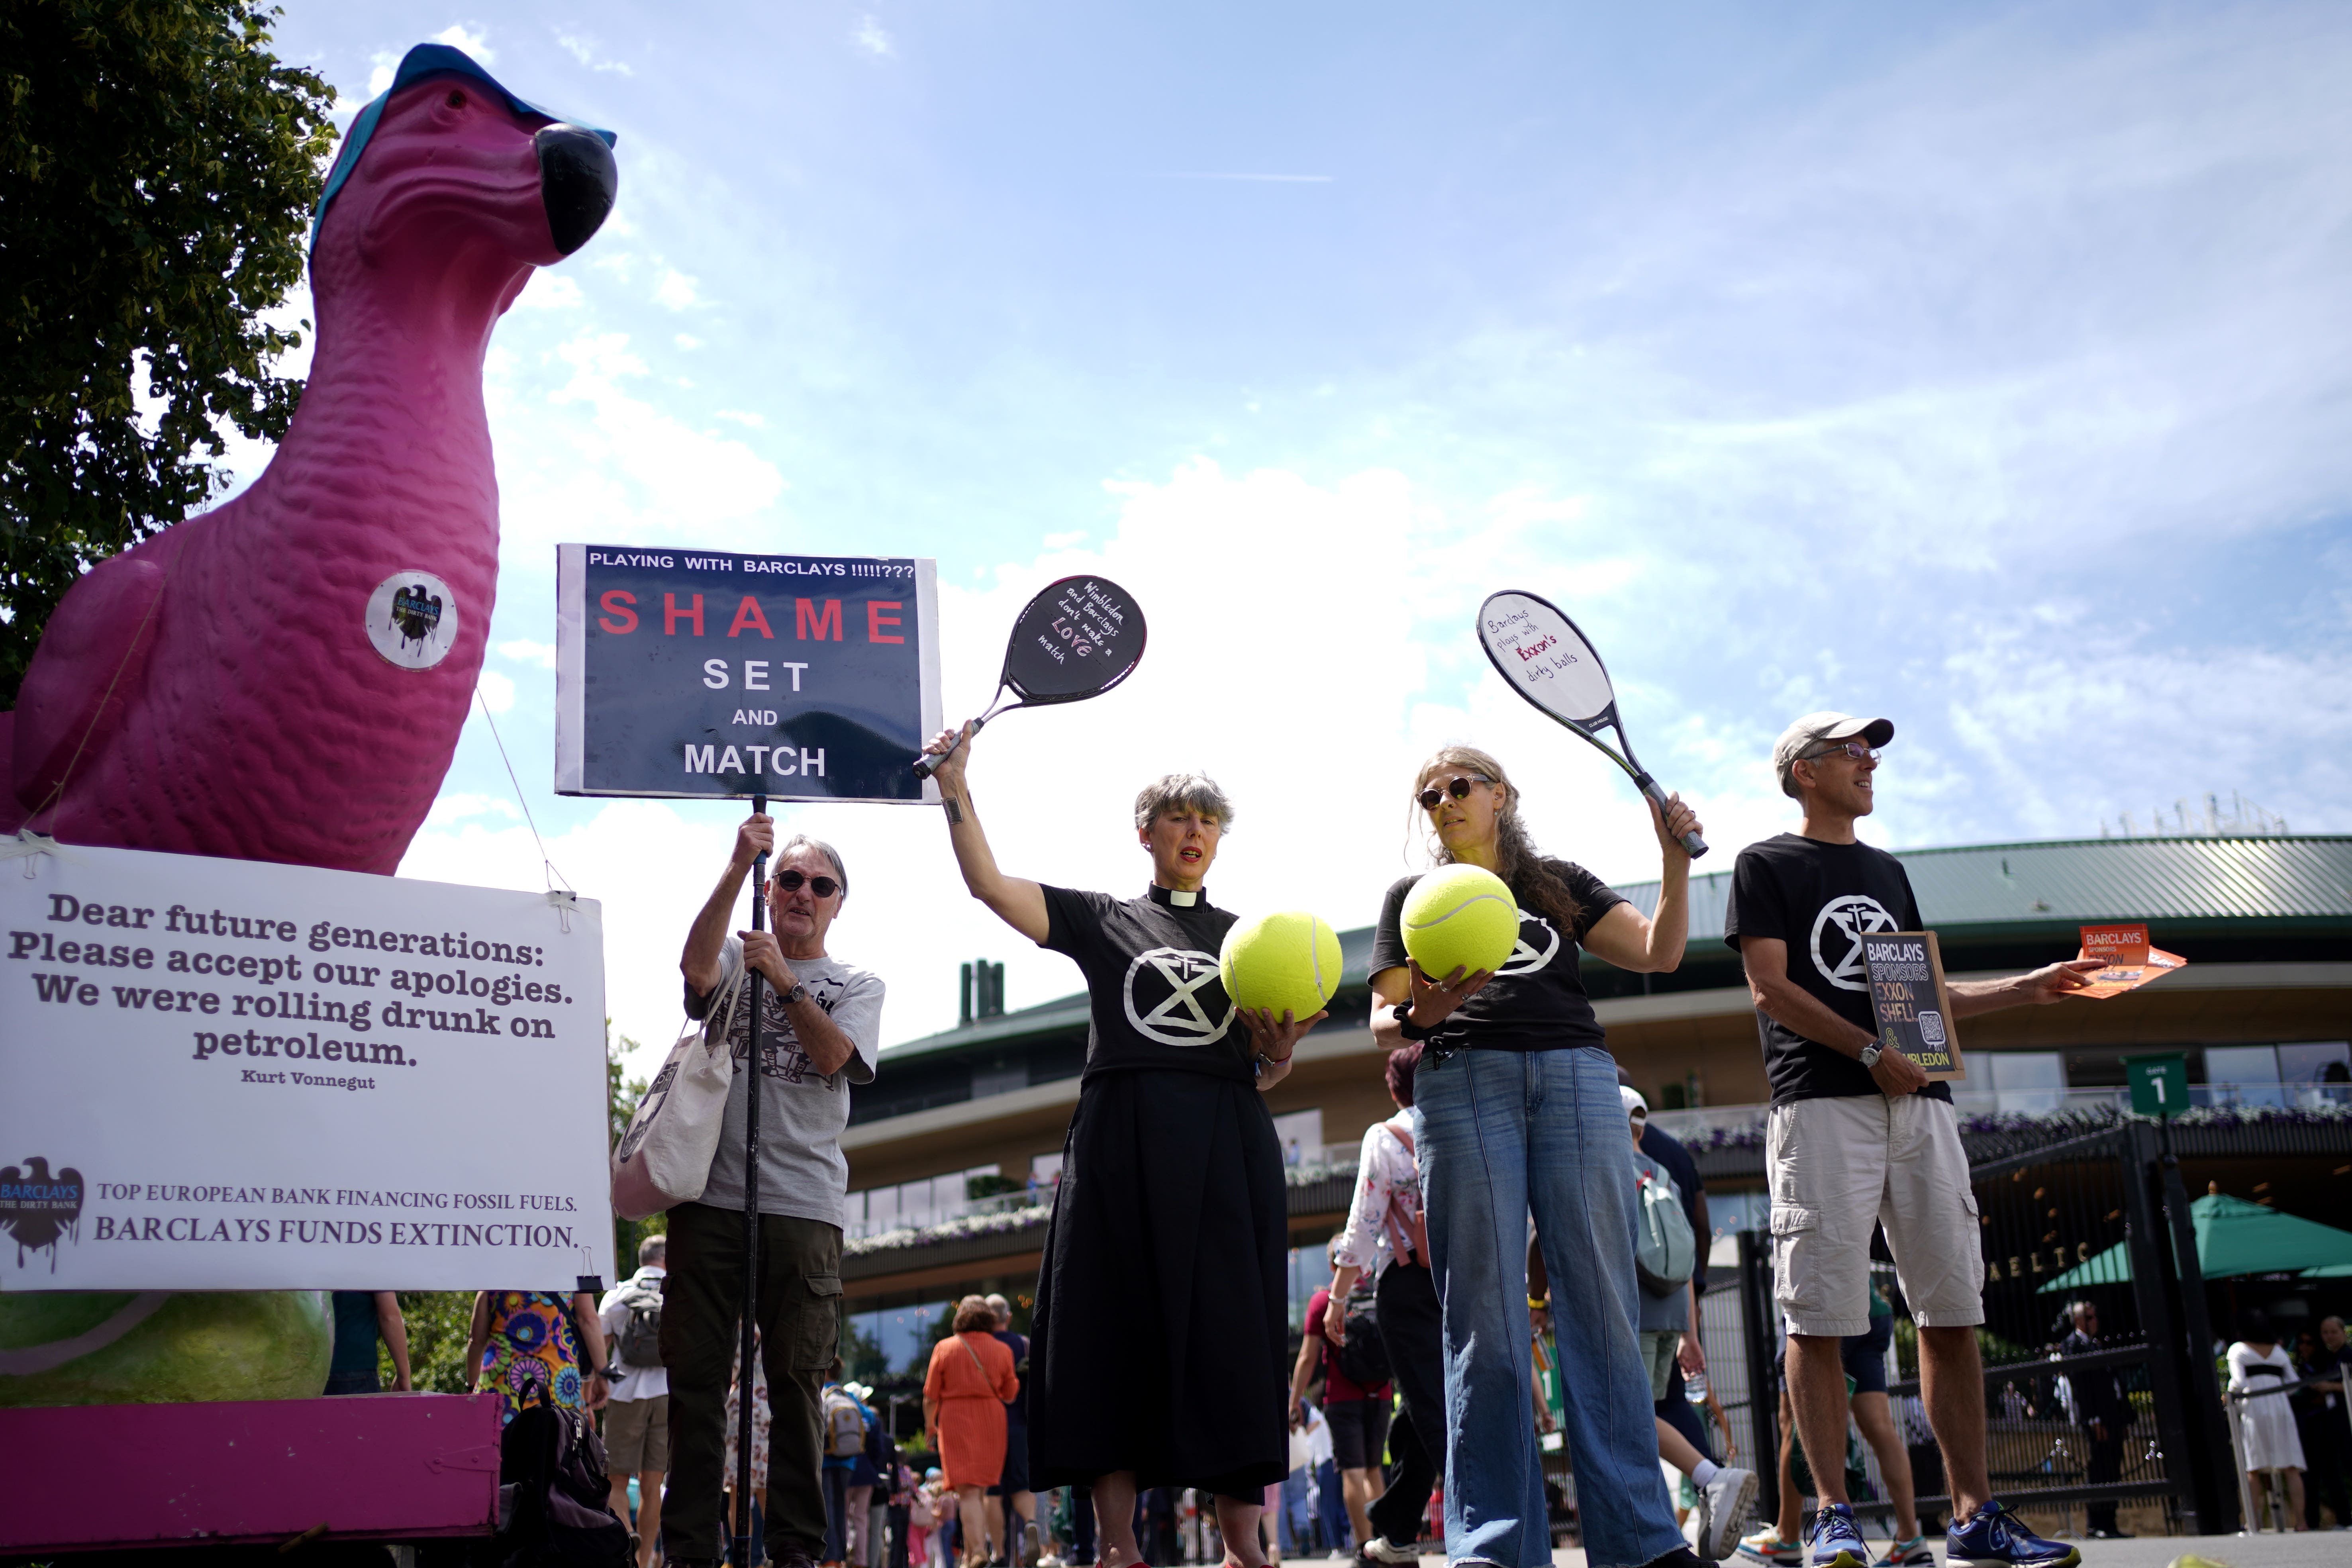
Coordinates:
[1156,1343]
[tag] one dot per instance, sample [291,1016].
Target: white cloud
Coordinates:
[744,417]
[473,40]
[452,809]
[552,291]
[497,691]
[872,37]
[584,51]
[676,292]
[522,650]
[381,68]
[687,341]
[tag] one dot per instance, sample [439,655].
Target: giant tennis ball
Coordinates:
[1460,917]
[75,1347]
[1283,962]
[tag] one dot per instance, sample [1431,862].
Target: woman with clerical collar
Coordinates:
[1516,1098]
[1157,1347]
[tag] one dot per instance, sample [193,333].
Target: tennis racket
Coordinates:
[1077,638]
[1551,664]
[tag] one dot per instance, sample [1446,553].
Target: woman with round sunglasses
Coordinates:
[1157,1344]
[1519,1113]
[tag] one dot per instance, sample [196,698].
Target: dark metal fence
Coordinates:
[2101,1218]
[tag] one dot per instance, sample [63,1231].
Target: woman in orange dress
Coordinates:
[964,1396]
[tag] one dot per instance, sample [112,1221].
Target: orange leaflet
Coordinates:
[2130,962]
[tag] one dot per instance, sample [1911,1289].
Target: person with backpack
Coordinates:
[1664,1262]
[1357,1410]
[1515,1104]
[636,1410]
[1387,1239]
[847,1420]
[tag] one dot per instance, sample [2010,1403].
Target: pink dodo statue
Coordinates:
[284,678]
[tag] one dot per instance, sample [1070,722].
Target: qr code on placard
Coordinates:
[1931,1028]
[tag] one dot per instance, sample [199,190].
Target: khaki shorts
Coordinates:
[1837,1167]
[636,1435]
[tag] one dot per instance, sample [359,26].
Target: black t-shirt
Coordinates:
[1821,900]
[1536,1001]
[1151,965]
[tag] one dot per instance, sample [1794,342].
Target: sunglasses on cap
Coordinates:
[791,881]
[1458,787]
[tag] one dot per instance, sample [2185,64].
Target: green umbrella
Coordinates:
[2233,1237]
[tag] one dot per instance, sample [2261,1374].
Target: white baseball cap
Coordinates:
[1817,729]
[1632,1100]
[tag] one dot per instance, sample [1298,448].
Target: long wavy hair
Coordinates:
[1518,861]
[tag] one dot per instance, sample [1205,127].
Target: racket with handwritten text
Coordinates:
[1548,661]
[1077,638]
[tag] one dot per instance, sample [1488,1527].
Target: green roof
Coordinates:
[2067,881]
[2302,881]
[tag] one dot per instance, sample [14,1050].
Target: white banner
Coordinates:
[231,1075]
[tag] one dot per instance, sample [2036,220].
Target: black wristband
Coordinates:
[1405,1025]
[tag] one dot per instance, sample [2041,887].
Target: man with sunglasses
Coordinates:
[820,1026]
[1859,1138]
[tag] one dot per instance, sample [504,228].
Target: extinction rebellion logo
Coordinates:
[1850,919]
[1170,993]
[37,1206]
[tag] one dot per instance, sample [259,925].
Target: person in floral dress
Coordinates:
[524,1337]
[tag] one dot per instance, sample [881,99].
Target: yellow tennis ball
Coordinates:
[1288,961]
[1460,917]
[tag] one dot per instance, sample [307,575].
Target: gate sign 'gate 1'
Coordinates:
[717,675]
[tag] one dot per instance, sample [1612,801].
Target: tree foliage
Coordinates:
[158,167]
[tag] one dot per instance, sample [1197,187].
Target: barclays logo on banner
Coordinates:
[37,1206]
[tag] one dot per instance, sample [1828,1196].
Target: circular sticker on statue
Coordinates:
[411,619]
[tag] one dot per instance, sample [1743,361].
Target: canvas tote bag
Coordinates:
[664,1158]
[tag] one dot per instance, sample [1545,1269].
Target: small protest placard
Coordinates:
[1907,997]
[2130,962]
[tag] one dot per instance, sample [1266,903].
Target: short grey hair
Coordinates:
[1176,792]
[799,841]
[1002,1307]
[652,1249]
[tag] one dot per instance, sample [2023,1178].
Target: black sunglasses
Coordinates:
[791,881]
[1458,787]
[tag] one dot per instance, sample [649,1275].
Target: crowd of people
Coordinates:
[1504,1197]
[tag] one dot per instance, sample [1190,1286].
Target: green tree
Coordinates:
[158,167]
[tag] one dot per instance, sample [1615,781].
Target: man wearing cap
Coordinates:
[1858,1137]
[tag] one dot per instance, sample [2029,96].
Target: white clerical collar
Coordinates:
[1175,898]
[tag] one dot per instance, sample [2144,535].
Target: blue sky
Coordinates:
[1982,366]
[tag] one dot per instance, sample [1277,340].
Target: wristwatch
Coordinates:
[1870,1055]
[1402,1013]
[799,993]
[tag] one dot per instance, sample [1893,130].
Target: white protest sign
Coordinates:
[231,1075]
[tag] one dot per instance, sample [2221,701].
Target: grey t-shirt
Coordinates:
[801,1170]
[1658,1314]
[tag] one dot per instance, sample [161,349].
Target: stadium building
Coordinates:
[954,1148]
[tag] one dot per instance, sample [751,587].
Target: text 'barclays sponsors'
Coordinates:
[373,984]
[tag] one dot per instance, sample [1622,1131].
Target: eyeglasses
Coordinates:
[1855,749]
[791,881]
[1458,787]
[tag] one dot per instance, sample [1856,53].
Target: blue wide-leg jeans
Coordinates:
[1504,1133]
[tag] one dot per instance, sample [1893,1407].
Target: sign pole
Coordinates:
[746,1381]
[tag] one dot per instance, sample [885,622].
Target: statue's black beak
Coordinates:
[577,179]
